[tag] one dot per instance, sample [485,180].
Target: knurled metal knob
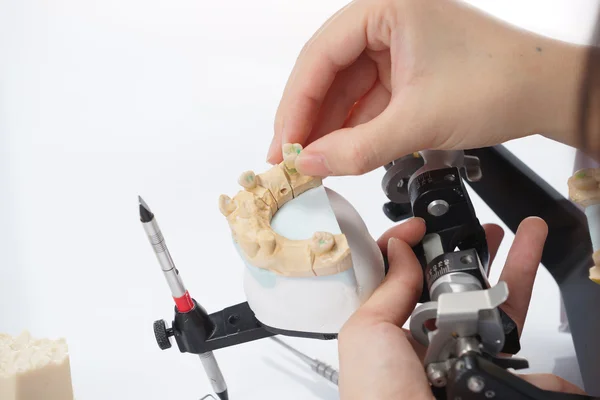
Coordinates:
[162,334]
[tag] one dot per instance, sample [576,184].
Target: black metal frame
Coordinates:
[498,383]
[514,192]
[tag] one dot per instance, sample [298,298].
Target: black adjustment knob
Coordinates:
[162,334]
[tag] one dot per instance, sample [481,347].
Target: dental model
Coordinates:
[310,259]
[249,215]
[33,369]
[584,190]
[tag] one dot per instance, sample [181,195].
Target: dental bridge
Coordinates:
[472,339]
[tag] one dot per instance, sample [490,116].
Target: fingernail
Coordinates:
[418,219]
[392,248]
[271,153]
[534,217]
[312,165]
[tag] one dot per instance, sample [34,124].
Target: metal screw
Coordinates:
[233,319]
[490,394]
[437,208]
[475,384]
[459,365]
[466,259]
[450,177]
[436,376]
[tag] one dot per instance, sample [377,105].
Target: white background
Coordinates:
[103,100]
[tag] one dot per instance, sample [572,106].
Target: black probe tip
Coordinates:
[145,213]
[223,395]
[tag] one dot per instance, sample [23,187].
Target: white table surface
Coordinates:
[102,101]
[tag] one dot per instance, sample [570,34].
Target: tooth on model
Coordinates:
[247,180]
[266,240]
[226,205]
[322,242]
[290,154]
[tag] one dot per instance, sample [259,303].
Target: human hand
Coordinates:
[385,78]
[380,360]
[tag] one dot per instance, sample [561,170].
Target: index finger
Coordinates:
[521,267]
[333,48]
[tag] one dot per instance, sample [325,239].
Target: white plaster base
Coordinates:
[316,304]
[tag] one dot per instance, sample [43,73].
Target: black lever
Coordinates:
[473,377]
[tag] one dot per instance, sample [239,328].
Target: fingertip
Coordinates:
[411,231]
[494,234]
[274,155]
[422,225]
[270,155]
[313,164]
[404,267]
[535,220]
[538,222]
[535,227]
[355,151]
[493,229]
[400,254]
[396,296]
[272,158]
[392,250]
[418,226]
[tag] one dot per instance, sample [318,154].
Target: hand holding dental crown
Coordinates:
[290,154]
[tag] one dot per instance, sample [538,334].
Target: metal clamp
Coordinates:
[460,315]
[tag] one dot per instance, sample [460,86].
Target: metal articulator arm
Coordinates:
[460,319]
[198,332]
[476,376]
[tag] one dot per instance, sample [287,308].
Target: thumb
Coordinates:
[361,149]
[396,297]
